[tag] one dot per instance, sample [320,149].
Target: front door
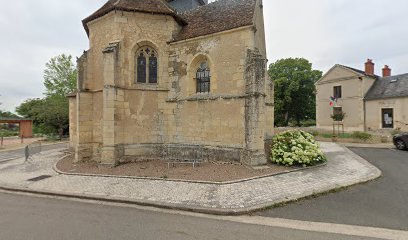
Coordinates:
[388,118]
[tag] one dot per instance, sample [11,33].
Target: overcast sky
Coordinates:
[324,31]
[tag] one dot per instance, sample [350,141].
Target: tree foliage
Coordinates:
[7,114]
[60,75]
[51,113]
[294,90]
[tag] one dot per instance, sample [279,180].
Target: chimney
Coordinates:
[386,71]
[369,67]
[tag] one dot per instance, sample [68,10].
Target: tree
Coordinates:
[30,109]
[7,114]
[51,113]
[294,90]
[60,75]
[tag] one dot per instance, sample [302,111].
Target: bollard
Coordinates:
[1,145]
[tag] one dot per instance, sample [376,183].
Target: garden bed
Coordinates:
[208,172]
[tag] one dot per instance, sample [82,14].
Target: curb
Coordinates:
[373,174]
[182,180]
[196,209]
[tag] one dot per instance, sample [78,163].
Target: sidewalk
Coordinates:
[344,168]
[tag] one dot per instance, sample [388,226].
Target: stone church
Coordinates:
[173,79]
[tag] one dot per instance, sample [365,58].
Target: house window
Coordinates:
[387,117]
[337,92]
[203,78]
[146,65]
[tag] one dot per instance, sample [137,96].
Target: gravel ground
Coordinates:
[214,172]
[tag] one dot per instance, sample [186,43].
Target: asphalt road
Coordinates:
[382,203]
[27,217]
[19,153]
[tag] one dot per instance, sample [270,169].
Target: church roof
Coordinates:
[148,6]
[218,16]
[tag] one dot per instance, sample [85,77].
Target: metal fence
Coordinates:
[31,150]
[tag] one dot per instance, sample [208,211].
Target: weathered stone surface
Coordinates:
[114,118]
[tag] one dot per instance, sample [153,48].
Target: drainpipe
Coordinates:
[365,115]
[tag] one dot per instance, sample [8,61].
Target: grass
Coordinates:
[341,135]
[8,133]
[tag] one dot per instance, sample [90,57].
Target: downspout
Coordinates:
[365,114]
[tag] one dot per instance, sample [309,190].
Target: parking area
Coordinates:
[381,203]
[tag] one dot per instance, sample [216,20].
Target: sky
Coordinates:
[325,32]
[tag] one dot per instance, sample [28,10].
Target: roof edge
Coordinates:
[91,18]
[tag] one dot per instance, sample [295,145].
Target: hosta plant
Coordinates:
[296,148]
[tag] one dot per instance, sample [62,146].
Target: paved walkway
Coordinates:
[344,168]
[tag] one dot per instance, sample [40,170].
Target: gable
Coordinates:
[338,73]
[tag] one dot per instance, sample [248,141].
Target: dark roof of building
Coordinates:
[389,87]
[147,6]
[357,70]
[218,16]
[14,119]
[200,1]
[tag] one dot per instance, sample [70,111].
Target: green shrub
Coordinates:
[395,132]
[308,123]
[296,148]
[362,136]
[8,133]
[314,133]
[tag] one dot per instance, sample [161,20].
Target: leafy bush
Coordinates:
[314,133]
[395,132]
[362,136]
[8,133]
[296,148]
[338,116]
[308,123]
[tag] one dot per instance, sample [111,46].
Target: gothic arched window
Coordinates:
[203,78]
[146,65]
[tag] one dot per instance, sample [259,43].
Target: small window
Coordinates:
[337,92]
[203,78]
[387,117]
[146,65]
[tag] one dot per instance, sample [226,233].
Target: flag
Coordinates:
[332,101]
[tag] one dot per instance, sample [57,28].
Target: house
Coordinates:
[178,79]
[370,102]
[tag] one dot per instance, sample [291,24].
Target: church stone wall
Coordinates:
[120,120]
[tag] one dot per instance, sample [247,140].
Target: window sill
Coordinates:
[147,87]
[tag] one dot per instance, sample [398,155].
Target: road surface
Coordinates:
[34,218]
[19,153]
[382,203]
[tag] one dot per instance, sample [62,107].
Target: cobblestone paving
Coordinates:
[344,168]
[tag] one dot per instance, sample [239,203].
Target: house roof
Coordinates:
[148,6]
[389,87]
[13,119]
[218,16]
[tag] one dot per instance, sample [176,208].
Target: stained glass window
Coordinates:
[152,69]
[203,78]
[146,65]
